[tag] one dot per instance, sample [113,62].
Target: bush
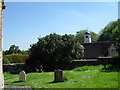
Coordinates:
[6,60]
[16,58]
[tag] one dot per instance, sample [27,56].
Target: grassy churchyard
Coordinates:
[81,77]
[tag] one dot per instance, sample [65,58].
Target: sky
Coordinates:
[25,22]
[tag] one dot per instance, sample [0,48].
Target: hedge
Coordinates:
[17,58]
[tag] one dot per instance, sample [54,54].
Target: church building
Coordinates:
[98,49]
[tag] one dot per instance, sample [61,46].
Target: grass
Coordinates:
[81,77]
[85,68]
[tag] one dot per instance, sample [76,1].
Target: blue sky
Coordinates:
[25,22]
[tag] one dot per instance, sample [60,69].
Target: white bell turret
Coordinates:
[87,37]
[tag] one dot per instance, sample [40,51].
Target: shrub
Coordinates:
[6,60]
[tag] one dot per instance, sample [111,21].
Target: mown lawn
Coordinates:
[81,77]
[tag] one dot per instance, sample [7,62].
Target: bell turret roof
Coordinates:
[87,32]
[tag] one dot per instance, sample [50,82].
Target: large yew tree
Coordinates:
[54,51]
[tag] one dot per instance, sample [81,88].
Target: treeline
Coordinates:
[111,32]
[15,50]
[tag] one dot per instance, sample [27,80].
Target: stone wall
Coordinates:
[13,68]
[17,67]
[98,61]
[87,61]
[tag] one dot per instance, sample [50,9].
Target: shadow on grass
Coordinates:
[16,81]
[112,68]
[55,82]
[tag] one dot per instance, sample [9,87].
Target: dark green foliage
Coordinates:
[110,32]
[118,36]
[80,36]
[54,48]
[12,50]
[94,36]
[16,58]
[5,60]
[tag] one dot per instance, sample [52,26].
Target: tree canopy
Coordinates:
[13,49]
[110,32]
[54,48]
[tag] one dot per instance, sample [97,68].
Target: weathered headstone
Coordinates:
[22,76]
[58,75]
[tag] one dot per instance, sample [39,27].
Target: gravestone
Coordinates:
[22,76]
[58,75]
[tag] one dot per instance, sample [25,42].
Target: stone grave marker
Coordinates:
[58,75]
[22,76]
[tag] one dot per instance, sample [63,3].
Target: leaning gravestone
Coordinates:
[22,76]
[58,75]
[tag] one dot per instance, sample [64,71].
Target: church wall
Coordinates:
[93,50]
